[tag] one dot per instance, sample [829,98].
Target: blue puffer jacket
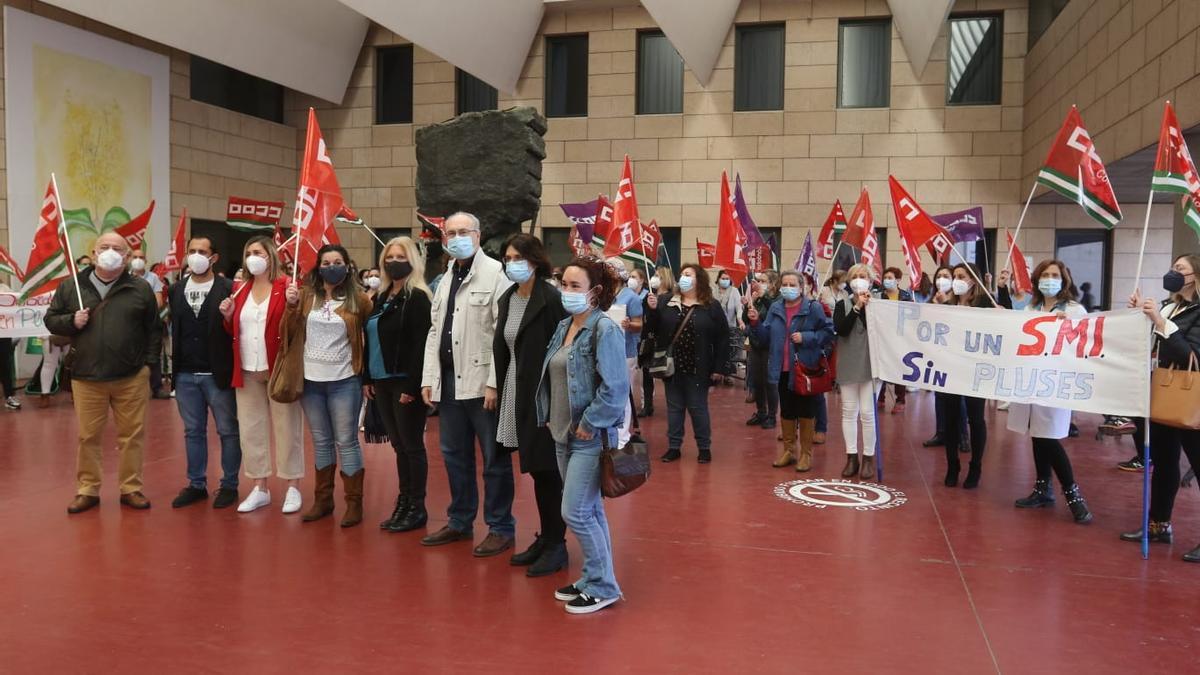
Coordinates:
[772,332]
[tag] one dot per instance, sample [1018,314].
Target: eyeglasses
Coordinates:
[460,233]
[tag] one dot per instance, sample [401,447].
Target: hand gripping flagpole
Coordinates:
[66,237]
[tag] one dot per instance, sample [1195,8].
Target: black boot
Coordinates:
[553,559]
[972,480]
[415,517]
[1192,555]
[1041,496]
[934,441]
[1160,533]
[953,466]
[529,555]
[1077,504]
[397,512]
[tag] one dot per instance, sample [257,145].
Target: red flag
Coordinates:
[319,198]
[707,254]
[825,239]
[651,239]
[1020,278]
[916,229]
[281,244]
[870,253]
[431,227]
[604,220]
[1074,170]
[8,265]
[578,246]
[861,221]
[174,260]
[626,229]
[1174,170]
[48,262]
[134,231]
[731,241]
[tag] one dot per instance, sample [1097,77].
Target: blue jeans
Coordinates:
[690,393]
[195,395]
[583,511]
[461,423]
[332,412]
[822,415]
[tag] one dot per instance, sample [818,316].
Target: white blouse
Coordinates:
[327,356]
[252,334]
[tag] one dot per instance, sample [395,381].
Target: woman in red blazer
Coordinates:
[253,316]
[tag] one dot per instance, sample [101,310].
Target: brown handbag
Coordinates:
[623,470]
[1175,396]
[287,377]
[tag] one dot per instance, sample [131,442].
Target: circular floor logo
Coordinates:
[820,493]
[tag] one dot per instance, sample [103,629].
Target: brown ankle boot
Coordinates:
[353,488]
[787,453]
[868,467]
[851,468]
[806,427]
[322,495]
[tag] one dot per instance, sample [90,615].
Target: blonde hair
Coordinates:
[267,243]
[416,278]
[666,280]
[860,269]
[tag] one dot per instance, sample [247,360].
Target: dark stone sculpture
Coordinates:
[487,163]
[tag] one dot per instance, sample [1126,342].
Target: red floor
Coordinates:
[720,575]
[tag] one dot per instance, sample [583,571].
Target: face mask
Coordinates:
[890,284]
[1173,281]
[634,285]
[397,269]
[686,284]
[655,282]
[790,293]
[518,271]
[860,285]
[961,286]
[461,247]
[373,282]
[256,264]
[575,303]
[725,283]
[137,265]
[944,285]
[333,274]
[110,260]
[198,264]
[1050,287]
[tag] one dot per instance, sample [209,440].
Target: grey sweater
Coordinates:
[853,350]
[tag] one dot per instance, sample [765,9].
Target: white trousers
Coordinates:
[858,404]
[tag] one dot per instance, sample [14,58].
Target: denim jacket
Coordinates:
[594,405]
[810,322]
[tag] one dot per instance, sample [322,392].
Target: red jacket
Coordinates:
[275,307]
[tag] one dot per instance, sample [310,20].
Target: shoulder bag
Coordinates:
[662,364]
[817,380]
[625,469]
[287,377]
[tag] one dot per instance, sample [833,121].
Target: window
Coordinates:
[394,85]
[1041,14]
[864,63]
[1088,254]
[659,75]
[224,240]
[473,94]
[672,238]
[386,234]
[758,68]
[974,72]
[234,90]
[566,76]
[558,249]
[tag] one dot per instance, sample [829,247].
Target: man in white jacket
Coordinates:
[460,377]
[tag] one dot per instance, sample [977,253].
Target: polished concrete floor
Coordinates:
[721,575]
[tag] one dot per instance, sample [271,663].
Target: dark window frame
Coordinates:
[887,69]
[236,86]
[381,94]
[739,85]
[1106,238]
[998,17]
[638,103]
[546,87]
[461,82]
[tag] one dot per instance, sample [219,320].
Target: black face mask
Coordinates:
[398,270]
[1173,282]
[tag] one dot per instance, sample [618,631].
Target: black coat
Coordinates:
[712,333]
[403,326]
[542,316]
[119,339]
[1185,341]
[220,342]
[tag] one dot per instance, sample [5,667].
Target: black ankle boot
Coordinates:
[851,467]
[671,455]
[1079,508]
[553,559]
[415,517]
[1041,496]
[705,456]
[972,480]
[1160,533]
[529,555]
[402,504]
[952,467]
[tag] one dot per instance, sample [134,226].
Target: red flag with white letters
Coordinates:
[174,260]
[1074,170]
[731,240]
[319,199]
[836,220]
[626,230]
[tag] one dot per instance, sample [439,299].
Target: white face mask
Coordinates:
[633,284]
[138,265]
[961,286]
[198,264]
[655,282]
[373,283]
[110,260]
[860,285]
[944,285]
[256,264]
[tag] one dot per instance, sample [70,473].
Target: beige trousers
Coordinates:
[127,398]
[260,418]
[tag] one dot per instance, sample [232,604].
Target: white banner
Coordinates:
[1098,364]
[23,320]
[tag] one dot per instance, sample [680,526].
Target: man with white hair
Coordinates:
[115,332]
[460,377]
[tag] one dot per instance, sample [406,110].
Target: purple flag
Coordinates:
[964,226]
[583,217]
[754,238]
[806,263]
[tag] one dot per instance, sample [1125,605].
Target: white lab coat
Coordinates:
[1040,421]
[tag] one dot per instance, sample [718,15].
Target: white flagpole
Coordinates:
[1137,277]
[296,258]
[66,236]
[829,267]
[977,279]
[372,233]
[1020,221]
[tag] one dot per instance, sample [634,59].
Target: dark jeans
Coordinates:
[822,424]
[766,397]
[1165,446]
[939,412]
[1049,455]
[405,425]
[648,389]
[548,490]
[195,395]
[461,423]
[688,392]
[954,422]
[793,406]
[7,361]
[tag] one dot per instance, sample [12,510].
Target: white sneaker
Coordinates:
[292,501]
[258,498]
[1002,405]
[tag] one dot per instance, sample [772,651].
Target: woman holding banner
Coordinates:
[854,376]
[1055,294]
[795,331]
[1177,338]
[966,292]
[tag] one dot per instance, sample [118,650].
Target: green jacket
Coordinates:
[119,339]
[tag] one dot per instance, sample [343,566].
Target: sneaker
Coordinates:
[1117,425]
[225,498]
[1002,405]
[1134,464]
[257,499]
[189,495]
[292,501]
[754,420]
[12,403]
[586,604]
[567,593]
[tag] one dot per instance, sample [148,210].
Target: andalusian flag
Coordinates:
[9,266]
[1074,170]
[1174,170]
[48,261]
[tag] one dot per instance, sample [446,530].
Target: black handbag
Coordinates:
[662,363]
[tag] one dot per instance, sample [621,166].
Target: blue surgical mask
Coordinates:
[686,284]
[725,283]
[575,303]
[790,293]
[890,284]
[461,247]
[518,271]
[334,274]
[1050,287]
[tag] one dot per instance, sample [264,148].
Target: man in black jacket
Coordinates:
[115,334]
[202,354]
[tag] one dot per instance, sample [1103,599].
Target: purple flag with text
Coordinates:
[754,238]
[583,217]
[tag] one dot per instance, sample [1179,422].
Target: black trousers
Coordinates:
[405,425]
[648,389]
[1166,444]
[547,490]
[953,422]
[793,406]
[7,361]
[766,397]
[1049,456]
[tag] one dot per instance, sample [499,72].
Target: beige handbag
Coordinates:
[1175,396]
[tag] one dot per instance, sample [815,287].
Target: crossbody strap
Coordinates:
[682,323]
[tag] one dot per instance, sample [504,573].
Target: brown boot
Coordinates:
[787,453]
[868,467]
[851,468]
[806,428]
[353,487]
[322,495]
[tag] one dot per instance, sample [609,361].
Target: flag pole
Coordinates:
[977,279]
[296,259]
[372,233]
[836,249]
[1020,221]
[1137,277]
[62,218]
